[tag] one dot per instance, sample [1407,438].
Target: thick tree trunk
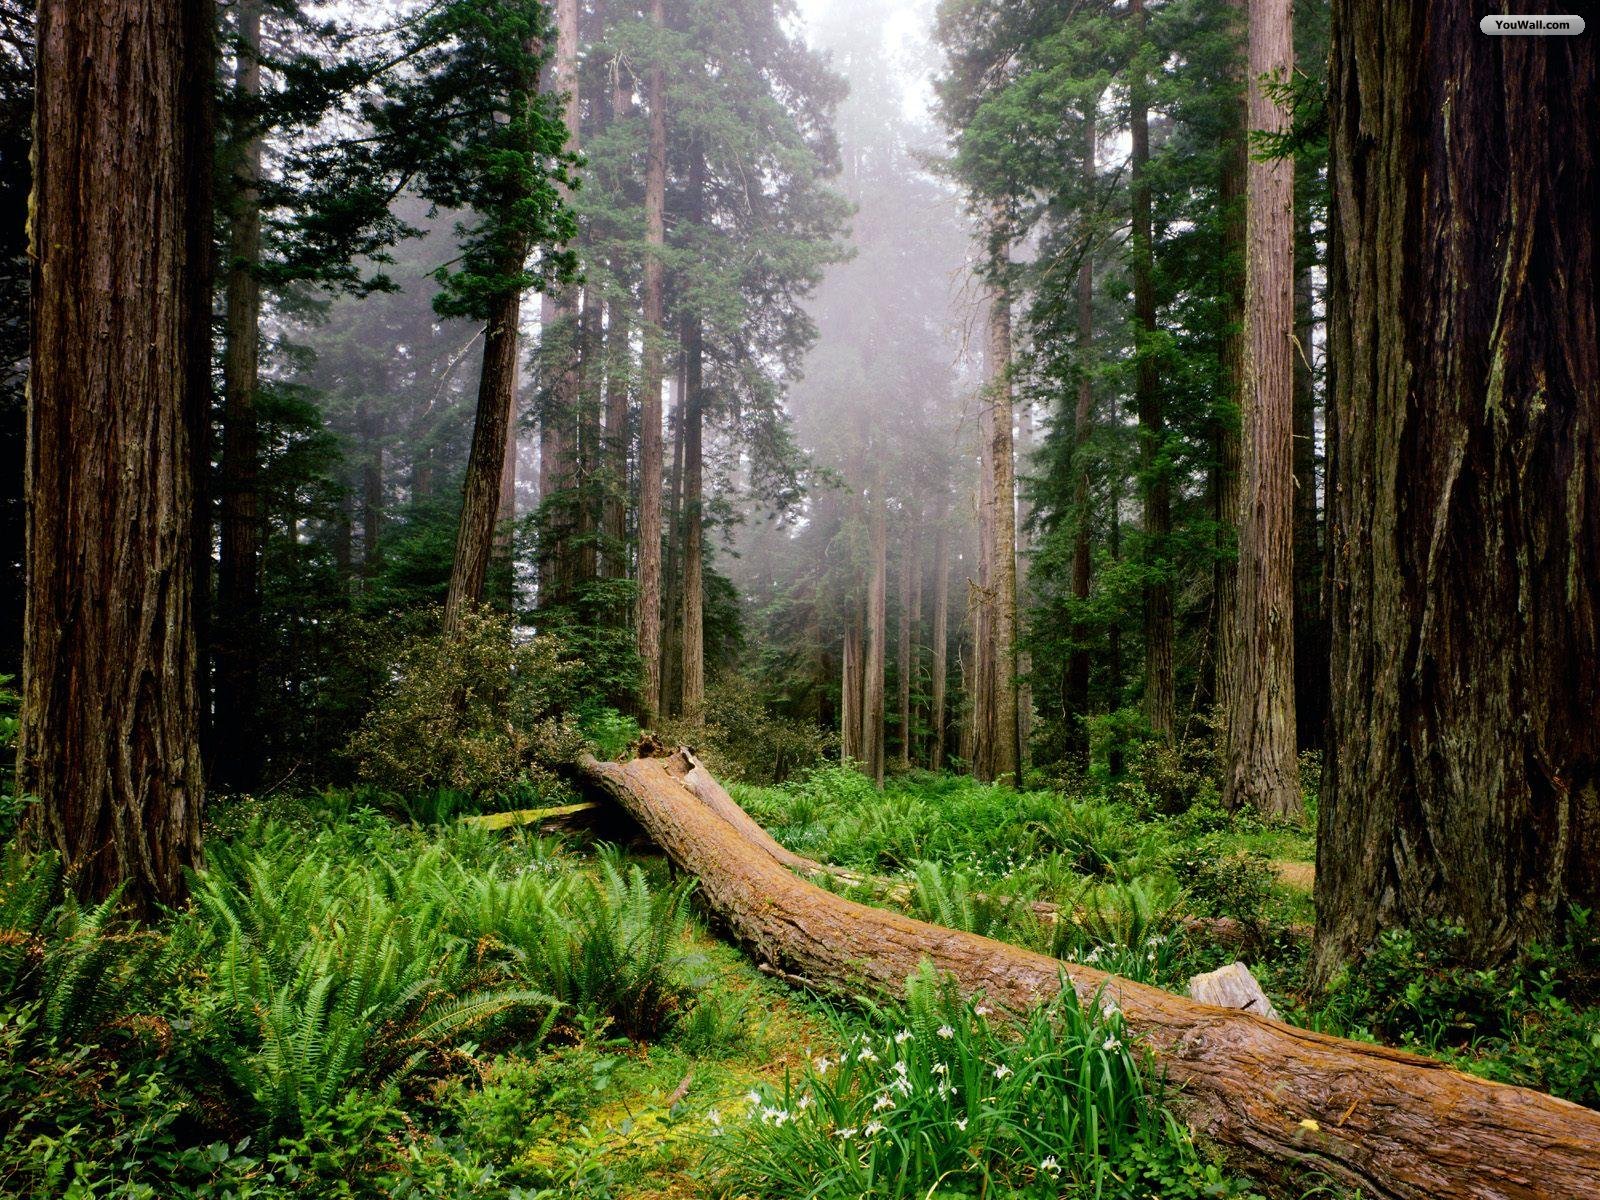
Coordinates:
[1394,1124]
[655,190]
[110,718]
[941,643]
[1007,763]
[1463,778]
[587,461]
[237,627]
[979,683]
[1263,770]
[1077,689]
[1160,705]
[872,695]
[672,601]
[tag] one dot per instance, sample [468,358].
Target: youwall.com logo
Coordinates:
[1544,24]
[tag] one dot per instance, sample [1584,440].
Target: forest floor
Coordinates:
[369,997]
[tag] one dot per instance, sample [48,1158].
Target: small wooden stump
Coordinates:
[1232,986]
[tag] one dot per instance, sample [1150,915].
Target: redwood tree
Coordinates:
[1262,766]
[109,741]
[1463,778]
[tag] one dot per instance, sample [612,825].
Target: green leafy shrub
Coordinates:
[1224,883]
[480,712]
[1175,775]
[939,1101]
[743,740]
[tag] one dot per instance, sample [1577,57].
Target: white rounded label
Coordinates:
[1531,24]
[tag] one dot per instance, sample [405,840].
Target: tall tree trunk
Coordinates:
[1007,764]
[481,497]
[1310,624]
[941,641]
[1077,689]
[497,385]
[237,627]
[980,685]
[910,585]
[371,491]
[693,406]
[1463,778]
[1263,771]
[560,315]
[110,720]
[1160,705]
[619,375]
[588,461]
[872,698]
[1225,486]
[655,190]
[850,688]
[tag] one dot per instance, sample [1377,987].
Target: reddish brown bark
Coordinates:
[1262,767]
[110,715]
[655,188]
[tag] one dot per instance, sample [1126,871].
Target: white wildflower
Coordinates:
[866,1055]
[961,1124]
[940,1068]
[883,1101]
[1111,1043]
[1050,1164]
[904,1036]
[1002,1071]
[713,1116]
[945,1031]
[845,1135]
[752,1098]
[900,1067]
[873,1127]
[822,1065]
[983,1010]
[804,1102]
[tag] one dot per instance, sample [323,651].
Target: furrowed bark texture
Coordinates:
[1397,1125]
[1263,767]
[1463,778]
[692,407]
[110,713]
[655,190]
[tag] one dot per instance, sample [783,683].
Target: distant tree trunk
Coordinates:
[910,571]
[1310,623]
[979,682]
[1263,770]
[872,699]
[1024,523]
[371,492]
[1225,486]
[1114,665]
[506,513]
[850,688]
[1082,430]
[672,649]
[237,628]
[1007,763]
[1159,699]
[1463,778]
[619,375]
[110,721]
[655,190]
[587,460]
[693,408]
[941,642]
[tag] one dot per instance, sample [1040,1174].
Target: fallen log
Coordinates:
[1392,1123]
[709,791]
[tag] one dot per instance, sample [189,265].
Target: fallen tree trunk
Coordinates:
[1219,930]
[1392,1123]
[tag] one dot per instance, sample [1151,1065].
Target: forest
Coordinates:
[799,599]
